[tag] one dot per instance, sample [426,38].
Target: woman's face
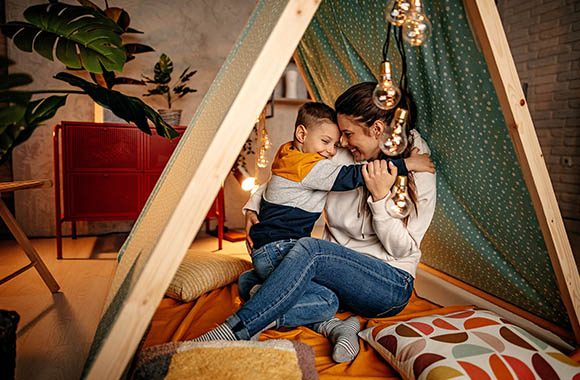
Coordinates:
[357,138]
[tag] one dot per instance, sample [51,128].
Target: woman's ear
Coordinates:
[377,128]
[300,133]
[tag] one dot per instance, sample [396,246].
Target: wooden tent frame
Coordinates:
[135,313]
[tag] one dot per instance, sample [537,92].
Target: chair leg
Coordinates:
[26,245]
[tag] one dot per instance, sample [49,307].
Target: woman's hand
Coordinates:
[379,178]
[419,162]
[251,219]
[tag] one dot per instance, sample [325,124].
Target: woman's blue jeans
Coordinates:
[364,285]
[317,304]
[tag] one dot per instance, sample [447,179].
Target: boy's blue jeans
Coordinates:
[316,305]
[365,285]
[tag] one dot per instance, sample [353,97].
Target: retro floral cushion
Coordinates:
[471,344]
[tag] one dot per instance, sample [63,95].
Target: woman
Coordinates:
[368,259]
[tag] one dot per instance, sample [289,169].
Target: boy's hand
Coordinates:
[251,219]
[419,162]
[379,178]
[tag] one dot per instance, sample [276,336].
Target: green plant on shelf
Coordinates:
[162,81]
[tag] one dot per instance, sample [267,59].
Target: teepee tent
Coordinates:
[336,52]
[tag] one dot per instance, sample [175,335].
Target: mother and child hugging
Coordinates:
[366,261]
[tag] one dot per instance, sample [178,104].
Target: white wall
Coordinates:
[199,34]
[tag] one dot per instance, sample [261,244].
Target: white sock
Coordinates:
[344,336]
[222,332]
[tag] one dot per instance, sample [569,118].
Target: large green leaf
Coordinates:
[163,69]
[82,37]
[17,122]
[129,108]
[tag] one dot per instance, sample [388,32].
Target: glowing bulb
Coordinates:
[248,184]
[243,177]
[386,95]
[267,142]
[261,160]
[399,203]
[417,27]
[397,11]
[394,140]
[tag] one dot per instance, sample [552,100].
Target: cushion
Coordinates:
[201,272]
[471,344]
[272,359]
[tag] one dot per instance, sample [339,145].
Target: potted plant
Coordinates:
[162,81]
[93,44]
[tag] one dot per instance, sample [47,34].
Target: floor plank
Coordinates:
[55,330]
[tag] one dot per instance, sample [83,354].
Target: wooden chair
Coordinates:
[20,236]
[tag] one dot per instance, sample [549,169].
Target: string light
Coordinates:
[263,141]
[417,27]
[397,11]
[386,95]
[399,203]
[393,140]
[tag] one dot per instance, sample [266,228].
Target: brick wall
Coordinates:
[544,36]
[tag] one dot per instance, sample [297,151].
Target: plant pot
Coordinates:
[171,117]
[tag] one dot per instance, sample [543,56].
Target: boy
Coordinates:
[302,176]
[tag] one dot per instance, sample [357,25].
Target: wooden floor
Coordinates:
[55,330]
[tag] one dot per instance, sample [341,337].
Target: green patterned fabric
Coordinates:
[485,231]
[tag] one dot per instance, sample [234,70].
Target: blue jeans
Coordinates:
[317,304]
[364,285]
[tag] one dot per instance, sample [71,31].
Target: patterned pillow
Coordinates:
[201,272]
[471,344]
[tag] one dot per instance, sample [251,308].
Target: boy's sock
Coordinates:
[222,332]
[344,336]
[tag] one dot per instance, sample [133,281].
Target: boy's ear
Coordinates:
[377,128]
[301,133]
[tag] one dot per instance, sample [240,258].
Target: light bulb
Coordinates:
[261,160]
[399,203]
[248,184]
[397,11]
[393,140]
[417,27]
[386,95]
[243,177]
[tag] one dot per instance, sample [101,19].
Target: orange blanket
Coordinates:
[176,321]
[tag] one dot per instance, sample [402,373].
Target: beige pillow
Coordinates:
[269,360]
[201,272]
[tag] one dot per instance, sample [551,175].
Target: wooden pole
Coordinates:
[139,306]
[488,29]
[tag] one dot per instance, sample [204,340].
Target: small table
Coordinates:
[20,236]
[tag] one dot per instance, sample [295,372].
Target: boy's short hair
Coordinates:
[312,113]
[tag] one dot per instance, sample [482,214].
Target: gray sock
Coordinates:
[222,332]
[344,336]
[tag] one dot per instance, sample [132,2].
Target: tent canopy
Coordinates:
[485,228]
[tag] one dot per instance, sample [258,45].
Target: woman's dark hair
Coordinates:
[357,102]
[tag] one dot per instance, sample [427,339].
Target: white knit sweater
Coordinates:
[377,234]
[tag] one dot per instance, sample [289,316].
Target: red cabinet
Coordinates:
[108,172]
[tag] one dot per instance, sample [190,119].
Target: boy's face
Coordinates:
[322,138]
